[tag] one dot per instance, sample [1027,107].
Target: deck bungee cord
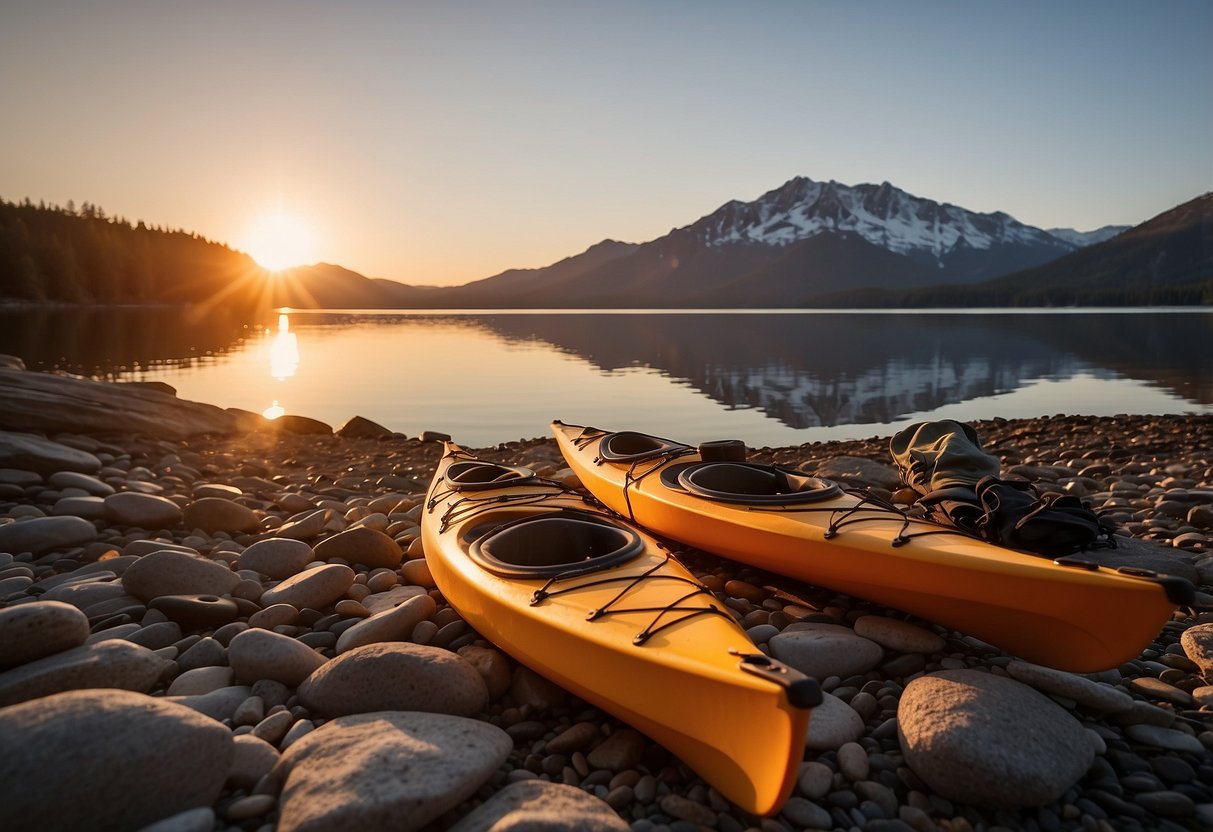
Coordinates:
[663,451]
[633,581]
[469,506]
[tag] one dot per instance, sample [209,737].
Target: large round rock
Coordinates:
[43,628]
[147,511]
[315,588]
[105,664]
[1197,643]
[261,654]
[42,534]
[395,676]
[989,740]
[385,771]
[28,452]
[177,573]
[539,806]
[824,650]
[277,557]
[369,547]
[215,514]
[107,759]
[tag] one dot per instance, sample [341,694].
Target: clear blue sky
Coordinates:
[442,142]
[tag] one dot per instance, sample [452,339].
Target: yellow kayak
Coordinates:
[603,610]
[1068,613]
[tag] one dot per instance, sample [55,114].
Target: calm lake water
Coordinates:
[770,378]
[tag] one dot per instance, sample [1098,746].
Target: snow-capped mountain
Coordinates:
[883,215]
[802,243]
[1082,239]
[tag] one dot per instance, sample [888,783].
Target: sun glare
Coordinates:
[279,240]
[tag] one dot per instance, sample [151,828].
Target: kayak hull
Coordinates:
[683,686]
[1077,619]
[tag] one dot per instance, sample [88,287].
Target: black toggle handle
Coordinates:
[802,691]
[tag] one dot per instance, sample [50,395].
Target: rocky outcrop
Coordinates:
[50,403]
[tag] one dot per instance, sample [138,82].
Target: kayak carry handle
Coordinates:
[802,691]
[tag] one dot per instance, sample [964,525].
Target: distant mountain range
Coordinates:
[811,243]
[804,244]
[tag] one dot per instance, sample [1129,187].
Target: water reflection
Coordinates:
[284,350]
[118,342]
[820,370]
[778,378]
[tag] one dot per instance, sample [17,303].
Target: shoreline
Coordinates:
[1149,723]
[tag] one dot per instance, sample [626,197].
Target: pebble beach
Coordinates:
[220,631]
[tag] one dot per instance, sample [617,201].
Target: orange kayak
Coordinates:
[605,611]
[1068,613]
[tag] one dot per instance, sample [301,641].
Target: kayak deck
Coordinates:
[620,623]
[1068,613]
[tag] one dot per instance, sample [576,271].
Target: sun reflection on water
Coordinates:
[284,350]
[284,359]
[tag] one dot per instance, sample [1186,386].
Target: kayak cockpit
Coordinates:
[630,446]
[565,542]
[747,483]
[475,474]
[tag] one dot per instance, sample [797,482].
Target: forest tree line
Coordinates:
[50,253]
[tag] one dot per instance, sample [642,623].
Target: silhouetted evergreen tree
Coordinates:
[48,253]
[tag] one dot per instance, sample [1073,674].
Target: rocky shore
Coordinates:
[229,625]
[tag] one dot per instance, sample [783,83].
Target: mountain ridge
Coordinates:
[802,244]
[760,253]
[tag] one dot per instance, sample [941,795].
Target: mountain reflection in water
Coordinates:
[815,370]
[493,376]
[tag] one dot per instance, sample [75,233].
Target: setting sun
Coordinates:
[279,240]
